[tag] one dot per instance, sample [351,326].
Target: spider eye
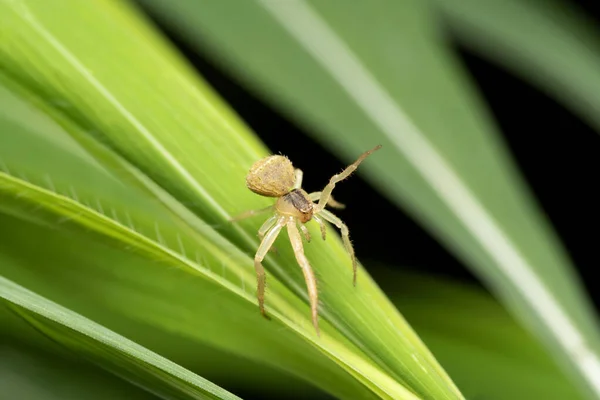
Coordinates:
[272,176]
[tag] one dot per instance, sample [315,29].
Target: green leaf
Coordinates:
[166,309]
[29,373]
[33,366]
[111,350]
[355,74]
[483,348]
[169,160]
[165,244]
[548,43]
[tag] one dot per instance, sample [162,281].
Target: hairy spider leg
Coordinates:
[321,225]
[251,213]
[326,193]
[265,228]
[309,275]
[329,216]
[264,247]
[262,231]
[314,196]
[298,178]
[305,231]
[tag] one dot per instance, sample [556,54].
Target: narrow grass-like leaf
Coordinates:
[29,373]
[53,175]
[161,299]
[62,196]
[108,348]
[132,94]
[393,81]
[483,348]
[148,229]
[50,207]
[547,43]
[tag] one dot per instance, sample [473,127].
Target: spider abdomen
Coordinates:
[271,176]
[297,204]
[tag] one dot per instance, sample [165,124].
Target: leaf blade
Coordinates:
[130,122]
[191,385]
[56,204]
[550,44]
[428,114]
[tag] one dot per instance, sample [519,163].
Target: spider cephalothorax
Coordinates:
[275,176]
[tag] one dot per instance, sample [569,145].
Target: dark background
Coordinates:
[558,154]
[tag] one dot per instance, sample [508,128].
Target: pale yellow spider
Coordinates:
[275,176]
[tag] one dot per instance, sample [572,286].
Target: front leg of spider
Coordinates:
[305,232]
[321,226]
[329,216]
[264,247]
[309,275]
[275,177]
[326,192]
[326,199]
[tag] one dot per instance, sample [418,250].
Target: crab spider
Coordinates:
[275,176]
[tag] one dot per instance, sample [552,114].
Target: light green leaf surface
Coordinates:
[96,81]
[116,353]
[147,229]
[167,311]
[393,81]
[546,42]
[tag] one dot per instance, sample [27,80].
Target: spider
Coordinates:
[275,176]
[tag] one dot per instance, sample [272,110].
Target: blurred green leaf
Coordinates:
[28,373]
[483,348]
[548,43]
[112,351]
[169,160]
[393,81]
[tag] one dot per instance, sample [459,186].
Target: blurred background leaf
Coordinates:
[550,44]
[30,373]
[115,353]
[488,354]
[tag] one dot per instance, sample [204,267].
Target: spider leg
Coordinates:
[250,213]
[305,232]
[265,228]
[262,231]
[314,196]
[329,216]
[326,193]
[322,226]
[298,178]
[264,247]
[309,275]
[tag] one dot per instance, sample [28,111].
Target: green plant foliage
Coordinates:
[394,82]
[30,373]
[481,346]
[121,276]
[546,42]
[122,167]
[115,352]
